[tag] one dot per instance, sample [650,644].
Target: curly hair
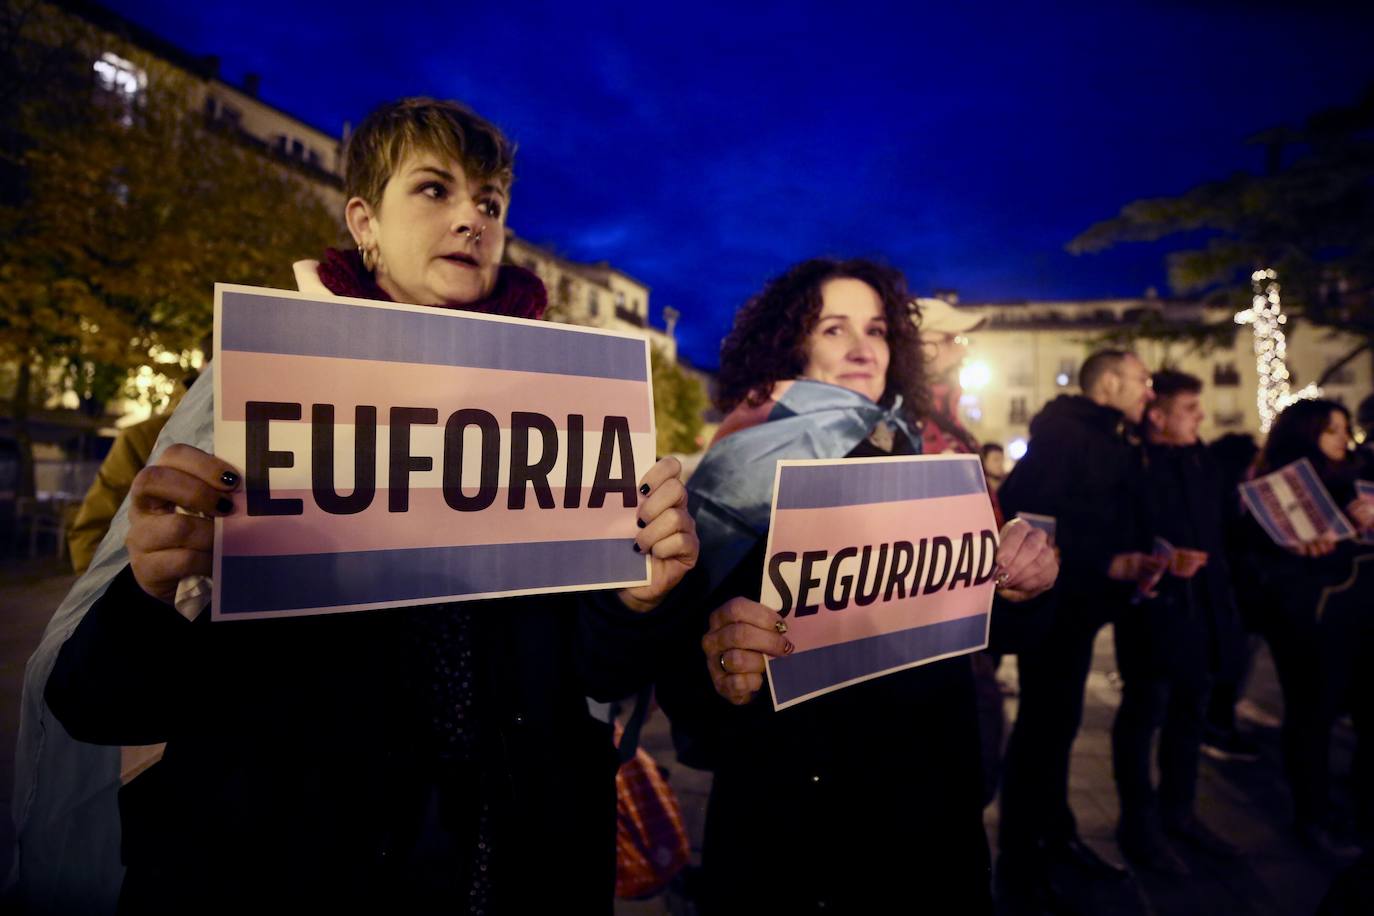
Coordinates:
[767,344]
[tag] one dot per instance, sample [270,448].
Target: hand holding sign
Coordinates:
[741,633]
[166,545]
[668,535]
[1026,561]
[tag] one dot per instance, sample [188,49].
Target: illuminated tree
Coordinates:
[125,206]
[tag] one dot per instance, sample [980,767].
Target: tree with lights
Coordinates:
[1309,220]
[123,206]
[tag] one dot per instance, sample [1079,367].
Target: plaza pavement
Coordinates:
[1246,803]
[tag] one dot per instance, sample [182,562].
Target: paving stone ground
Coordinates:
[1246,803]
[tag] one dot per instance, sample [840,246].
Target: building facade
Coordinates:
[595,295]
[1027,353]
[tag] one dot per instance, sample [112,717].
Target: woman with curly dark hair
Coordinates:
[871,794]
[1313,613]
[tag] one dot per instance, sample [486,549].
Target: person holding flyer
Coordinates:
[1082,469]
[406,760]
[870,793]
[1168,644]
[1318,655]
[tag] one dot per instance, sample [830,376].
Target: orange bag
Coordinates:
[651,844]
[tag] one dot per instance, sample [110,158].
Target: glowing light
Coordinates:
[975,376]
[1016,449]
[1265,316]
[1062,380]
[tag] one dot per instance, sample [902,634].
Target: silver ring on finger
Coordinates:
[1001,579]
[721,658]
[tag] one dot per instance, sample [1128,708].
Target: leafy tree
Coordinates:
[679,401]
[127,205]
[1310,216]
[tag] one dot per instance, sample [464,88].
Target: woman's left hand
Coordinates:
[667,535]
[1026,563]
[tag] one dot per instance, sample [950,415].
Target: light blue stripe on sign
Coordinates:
[259,323]
[853,483]
[279,583]
[807,672]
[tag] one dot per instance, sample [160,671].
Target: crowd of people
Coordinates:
[446,758]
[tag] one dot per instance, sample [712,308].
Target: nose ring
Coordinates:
[475,236]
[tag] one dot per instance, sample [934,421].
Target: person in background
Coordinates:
[994,464]
[944,346]
[1234,455]
[126,458]
[1168,641]
[1322,654]
[1082,468]
[869,794]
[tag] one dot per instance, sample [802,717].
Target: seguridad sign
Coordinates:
[396,455]
[877,565]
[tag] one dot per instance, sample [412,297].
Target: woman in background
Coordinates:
[869,797]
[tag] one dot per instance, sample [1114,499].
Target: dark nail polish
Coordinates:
[640,522]
[644,488]
[636,546]
[224,506]
[229,479]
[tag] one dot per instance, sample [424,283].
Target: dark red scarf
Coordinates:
[518,292]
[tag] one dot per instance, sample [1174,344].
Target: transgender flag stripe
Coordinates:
[265,324]
[420,575]
[797,675]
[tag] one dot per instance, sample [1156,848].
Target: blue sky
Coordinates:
[704,147]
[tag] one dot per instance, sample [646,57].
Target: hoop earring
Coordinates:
[369,256]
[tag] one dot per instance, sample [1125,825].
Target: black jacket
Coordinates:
[864,796]
[296,770]
[1081,469]
[1183,500]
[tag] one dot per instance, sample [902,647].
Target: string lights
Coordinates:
[1266,318]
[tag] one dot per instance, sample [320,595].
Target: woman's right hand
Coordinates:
[166,545]
[741,632]
[1320,547]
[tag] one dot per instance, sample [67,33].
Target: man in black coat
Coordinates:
[1082,469]
[1168,643]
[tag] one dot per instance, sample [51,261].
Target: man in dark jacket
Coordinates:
[1082,469]
[1167,643]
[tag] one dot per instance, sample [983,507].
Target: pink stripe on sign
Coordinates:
[346,383]
[428,522]
[880,523]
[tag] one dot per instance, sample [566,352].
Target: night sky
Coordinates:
[703,147]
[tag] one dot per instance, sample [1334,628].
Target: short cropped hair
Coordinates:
[989,447]
[1169,382]
[395,130]
[1098,365]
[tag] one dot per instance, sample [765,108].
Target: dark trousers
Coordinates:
[1035,776]
[1324,670]
[1165,690]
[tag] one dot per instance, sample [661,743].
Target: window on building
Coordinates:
[297,149]
[119,76]
[593,303]
[1066,374]
[1019,414]
[1225,375]
[119,82]
[619,300]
